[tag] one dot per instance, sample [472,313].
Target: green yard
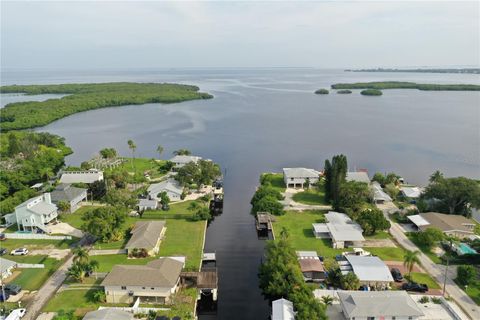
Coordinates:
[473,291]
[310,197]
[32,244]
[424,249]
[141,166]
[380,235]
[182,238]
[275,180]
[388,254]
[33,279]
[424,278]
[81,301]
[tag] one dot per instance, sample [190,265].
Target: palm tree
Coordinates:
[410,259]
[81,255]
[327,300]
[46,173]
[436,176]
[160,150]
[91,266]
[77,272]
[132,147]
[193,206]
[284,233]
[182,152]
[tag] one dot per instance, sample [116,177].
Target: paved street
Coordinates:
[47,290]
[435,270]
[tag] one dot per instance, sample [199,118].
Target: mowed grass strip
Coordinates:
[310,197]
[33,278]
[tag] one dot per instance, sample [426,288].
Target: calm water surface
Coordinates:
[263,120]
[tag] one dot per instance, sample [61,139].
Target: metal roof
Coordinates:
[369,268]
[170,185]
[65,192]
[108,314]
[378,193]
[282,309]
[411,192]
[359,176]
[6,264]
[381,304]
[418,220]
[300,173]
[89,176]
[185,159]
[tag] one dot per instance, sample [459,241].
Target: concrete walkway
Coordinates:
[435,270]
[46,292]
[99,252]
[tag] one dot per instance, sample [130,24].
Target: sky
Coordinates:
[227,34]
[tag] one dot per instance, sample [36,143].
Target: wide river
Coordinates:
[263,120]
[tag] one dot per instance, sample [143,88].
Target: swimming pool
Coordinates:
[464,248]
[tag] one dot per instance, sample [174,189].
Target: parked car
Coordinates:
[3,251]
[16,314]
[5,297]
[3,237]
[396,274]
[19,252]
[12,289]
[413,286]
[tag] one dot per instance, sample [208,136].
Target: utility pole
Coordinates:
[445,279]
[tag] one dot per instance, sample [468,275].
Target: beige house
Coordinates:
[451,224]
[146,235]
[154,282]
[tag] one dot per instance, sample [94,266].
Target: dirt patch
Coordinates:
[58,254]
[379,243]
[399,265]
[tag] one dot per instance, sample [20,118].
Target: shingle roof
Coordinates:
[163,272]
[363,304]
[108,314]
[300,173]
[447,222]
[170,185]
[65,192]
[43,208]
[145,234]
[147,203]
[359,176]
[369,268]
[311,264]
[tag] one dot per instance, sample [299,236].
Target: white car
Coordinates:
[16,314]
[19,252]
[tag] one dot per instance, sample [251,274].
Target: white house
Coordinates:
[370,270]
[411,193]
[282,309]
[300,177]
[154,282]
[341,229]
[71,195]
[379,196]
[34,214]
[88,176]
[6,267]
[172,187]
[108,314]
[180,161]
[147,204]
[366,305]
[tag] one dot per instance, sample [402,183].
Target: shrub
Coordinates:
[321,91]
[371,92]
[466,274]
[424,299]
[344,91]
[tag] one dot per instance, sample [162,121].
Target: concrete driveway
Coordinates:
[65,228]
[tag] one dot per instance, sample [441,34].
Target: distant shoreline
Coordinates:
[420,70]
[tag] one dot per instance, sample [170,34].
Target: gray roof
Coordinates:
[300,173]
[342,228]
[163,272]
[185,159]
[359,176]
[170,185]
[378,193]
[411,192]
[379,304]
[145,234]
[41,207]
[282,309]
[369,268]
[65,192]
[108,314]
[89,176]
[147,203]
[6,264]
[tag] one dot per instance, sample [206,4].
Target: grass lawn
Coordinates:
[299,227]
[473,291]
[182,238]
[32,244]
[142,165]
[275,180]
[379,235]
[419,277]
[388,254]
[33,279]
[81,301]
[427,251]
[310,197]
[75,219]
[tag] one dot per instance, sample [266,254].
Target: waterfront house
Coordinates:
[146,235]
[411,194]
[311,266]
[87,176]
[172,187]
[71,195]
[147,204]
[154,282]
[370,270]
[359,305]
[450,224]
[282,309]
[300,177]
[340,229]
[180,161]
[108,314]
[6,267]
[358,176]
[34,214]
[379,196]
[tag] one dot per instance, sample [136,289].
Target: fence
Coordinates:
[30,265]
[35,236]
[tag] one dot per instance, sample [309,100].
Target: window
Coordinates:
[393,318]
[143,288]
[124,288]
[410,318]
[152,288]
[370,318]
